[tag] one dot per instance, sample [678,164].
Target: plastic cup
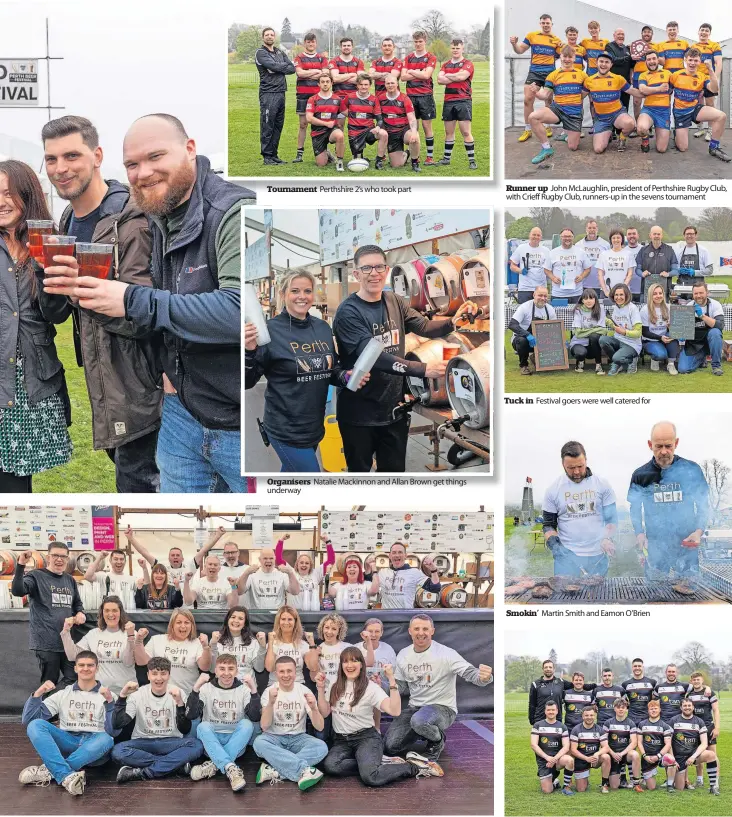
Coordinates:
[37,228]
[94,260]
[449,351]
[57,245]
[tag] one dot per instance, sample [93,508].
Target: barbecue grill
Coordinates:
[707,587]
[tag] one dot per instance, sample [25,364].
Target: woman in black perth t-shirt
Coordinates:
[157,594]
[300,363]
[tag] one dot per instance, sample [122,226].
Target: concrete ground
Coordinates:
[631,164]
[260,459]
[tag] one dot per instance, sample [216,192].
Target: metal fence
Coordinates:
[516,69]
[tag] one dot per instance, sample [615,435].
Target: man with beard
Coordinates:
[344,69]
[592,245]
[706,707]
[669,693]
[633,246]
[607,92]
[576,699]
[118,357]
[656,258]
[273,66]
[690,745]
[387,63]
[641,66]
[550,688]
[194,303]
[654,85]
[639,690]
[588,745]
[580,518]
[669,507]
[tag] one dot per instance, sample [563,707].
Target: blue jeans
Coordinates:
[616,351]
[567,563]
[415,724]
[225,747]
[157,756]
[65,752]
[299,460]
[690,363]
[196,460]
[290,755]
[659,350]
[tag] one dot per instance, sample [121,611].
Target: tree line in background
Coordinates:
[693,656]
[713,223]
[244,40]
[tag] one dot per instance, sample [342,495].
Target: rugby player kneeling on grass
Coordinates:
[588,746]
[363,113]
[654,746]
[401,125]
[550,742]
[621,735]
[605,90]
[321,113]
[690,745]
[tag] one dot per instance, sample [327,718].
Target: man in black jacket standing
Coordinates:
[657,258]
[622,61]
[547,688]
[273,66]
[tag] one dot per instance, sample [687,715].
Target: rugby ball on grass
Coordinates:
[358,165]
[667,760]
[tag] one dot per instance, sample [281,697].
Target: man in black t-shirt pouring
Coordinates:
[365,418]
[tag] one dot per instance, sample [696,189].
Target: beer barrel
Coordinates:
[381,561]
[423,598]
[442,286]
[432,391]
[475,276]
[412,342]
[407,280]
[453,595]
[469,392]
[413,561]
[442,564]
[37,560]
[85,560]
[7,563]
[71,564]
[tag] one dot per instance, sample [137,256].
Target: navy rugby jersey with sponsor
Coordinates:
[653,735]
[420,87]
[326,108]
[588,741]
[670,694]
[352,66]
[703,705]
[687,735]
[461,89]
[394,112]
[639,692]
[550,735]
[574,702]
[308,87]
[619,733]
[605,698]
[382,68]
[361,113]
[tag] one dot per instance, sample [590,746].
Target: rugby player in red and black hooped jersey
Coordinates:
[322,112]
[689,743]
[362,110]
[387,63]
[345,68]
[400,123]
[456,75]
[309,68]
[417,73]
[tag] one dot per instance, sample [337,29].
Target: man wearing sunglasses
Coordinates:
[53,596]
[365,418]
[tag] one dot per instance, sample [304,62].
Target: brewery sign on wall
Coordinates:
[18,82]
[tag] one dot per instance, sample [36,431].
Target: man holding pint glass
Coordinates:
[365,417]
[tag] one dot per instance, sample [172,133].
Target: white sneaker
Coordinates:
[75,783]
[671,367]
[598,369]
[655,366]
[579,366]
[386,759]
[309,778]
[204,770]
[427,767]
[267,773]
[35,774]
[236,777]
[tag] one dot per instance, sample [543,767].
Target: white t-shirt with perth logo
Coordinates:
[188,566]
[120,584]
[249,657]
[431,674]
[309,596]
[183,657]
[78,710]
[537,261]
[224,708]
[593,250]
[329,660]
[383,655]
[290,710]
[656,324]
[295,651]
[234,572]
[579,507]
[615,266]
[109,648]
[352,596]
[529,312]
[397,587]
[347,720]
[627,316]
[267,591]
[211,595]
[568,265]
[155,717]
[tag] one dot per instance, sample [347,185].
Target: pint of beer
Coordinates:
[449,351]
[37,228]
[57,245]
[95,260]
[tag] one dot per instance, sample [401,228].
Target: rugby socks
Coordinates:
[526,127]
[714,144]
[605,781]
[712,773]
[636,781]
[545,145]
[300,152]
[555,776]
[430,141]
[470,150]
[448,150]
[567,778]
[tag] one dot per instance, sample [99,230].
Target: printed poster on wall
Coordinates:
[36,526]
[103,527]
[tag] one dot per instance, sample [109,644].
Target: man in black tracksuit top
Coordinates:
[365,417]
[273,66]
[548,688]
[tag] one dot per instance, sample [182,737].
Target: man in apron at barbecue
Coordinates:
[580,517]
[694,261]
[669,507]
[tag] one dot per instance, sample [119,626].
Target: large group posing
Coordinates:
[331,92]
[642,724]
[203,704]
[593,274]
[673,84]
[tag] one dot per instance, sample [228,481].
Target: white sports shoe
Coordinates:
[74,783]
[309,778]
[267,773]
[236,777]
[204,770]
[35,774]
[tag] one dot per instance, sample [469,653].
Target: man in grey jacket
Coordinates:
[273,66]
[118,357]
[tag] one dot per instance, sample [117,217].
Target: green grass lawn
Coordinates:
[523,796]
[89,471]
[245,159]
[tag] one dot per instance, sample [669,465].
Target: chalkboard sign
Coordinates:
[550,352]
[683,322]
[649,280]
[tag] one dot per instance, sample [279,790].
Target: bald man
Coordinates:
[267,584]
[194,303]
[669,507]
[656,258]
